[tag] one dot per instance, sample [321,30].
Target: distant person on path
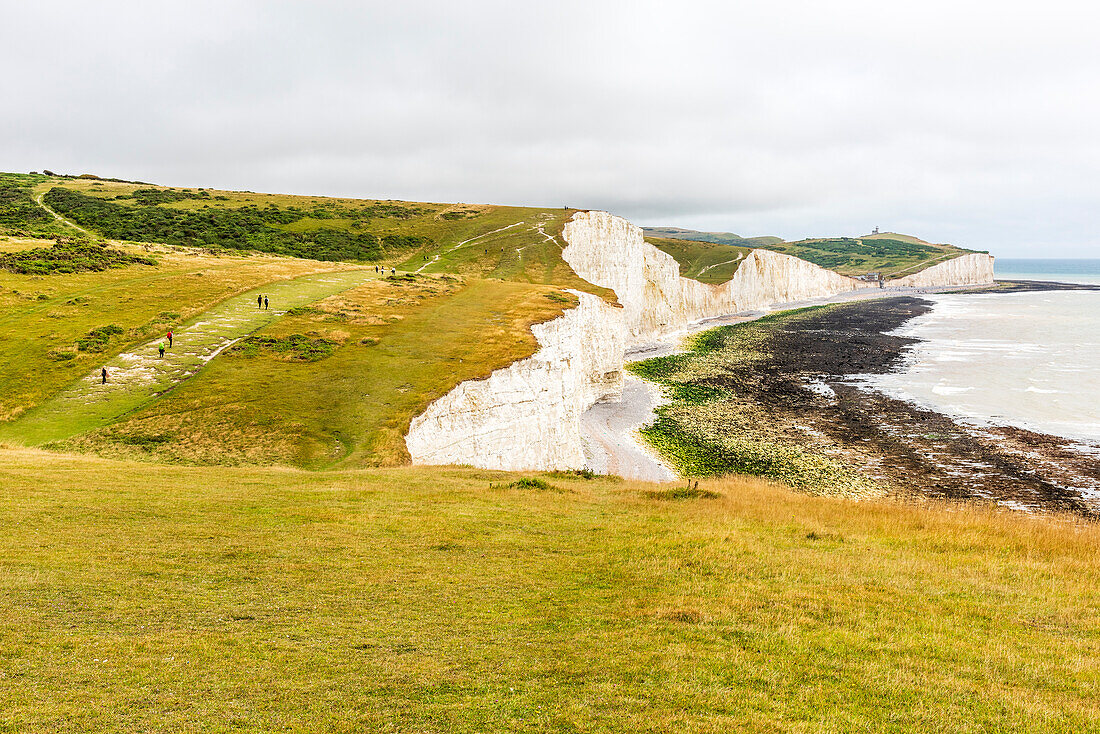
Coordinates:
[104,373]
[259,301]
[161,348]
[169,339]
[266,303]
[393,271]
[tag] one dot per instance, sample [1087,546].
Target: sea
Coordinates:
[1030,360]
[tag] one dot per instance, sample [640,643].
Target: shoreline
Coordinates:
[911,449]
[610,430]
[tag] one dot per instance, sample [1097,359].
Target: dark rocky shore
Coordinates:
[911,449]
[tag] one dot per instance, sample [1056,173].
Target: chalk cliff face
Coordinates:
[525,416]
[611,252]
[973,269]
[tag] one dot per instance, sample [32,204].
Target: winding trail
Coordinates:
[610,430]
[139,376]
[466,242]
[38,200]
[739,258]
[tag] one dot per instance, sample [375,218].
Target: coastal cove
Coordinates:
[786,397]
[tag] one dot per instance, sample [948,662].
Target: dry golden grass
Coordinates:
[139,597]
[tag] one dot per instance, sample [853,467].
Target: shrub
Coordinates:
[69,256]
[248,227]
[527,483]
[682,493]
[293,348]
[98,338]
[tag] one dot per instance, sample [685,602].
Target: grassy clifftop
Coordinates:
[887,253]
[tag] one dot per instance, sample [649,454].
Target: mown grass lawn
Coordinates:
[138,597]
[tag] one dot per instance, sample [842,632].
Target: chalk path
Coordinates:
[139,376]
[610,430]
[38,200]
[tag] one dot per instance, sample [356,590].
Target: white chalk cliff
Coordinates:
[973,269]
[611,252]
[526,416]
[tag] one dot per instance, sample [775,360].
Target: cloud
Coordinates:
[971,122]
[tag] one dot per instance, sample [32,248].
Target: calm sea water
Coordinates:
[1025,359]
[1066,271]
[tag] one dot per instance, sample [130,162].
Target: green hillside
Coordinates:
[513,243]
[332,374]
[704,261]
[889,254]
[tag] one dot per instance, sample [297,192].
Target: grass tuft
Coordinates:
[682,493]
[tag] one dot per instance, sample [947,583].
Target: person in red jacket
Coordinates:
[169,339]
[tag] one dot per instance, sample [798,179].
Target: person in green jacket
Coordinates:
[161,348]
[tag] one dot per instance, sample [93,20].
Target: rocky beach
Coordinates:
[790,380]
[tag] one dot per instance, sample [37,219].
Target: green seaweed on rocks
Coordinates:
[710,427]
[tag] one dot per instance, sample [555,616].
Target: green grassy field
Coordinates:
[137,597]
[43,317]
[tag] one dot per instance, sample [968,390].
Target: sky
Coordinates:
[976,123]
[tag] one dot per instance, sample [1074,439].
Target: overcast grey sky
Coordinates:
[970,122]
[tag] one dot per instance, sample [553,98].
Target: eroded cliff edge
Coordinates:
[526,415]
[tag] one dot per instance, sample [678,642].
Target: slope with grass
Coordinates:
[888,254]
[513,243]
[396,344]
[706,262]
[138,597]
[56,329]
[137,377]
[482,275]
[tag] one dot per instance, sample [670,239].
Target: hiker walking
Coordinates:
[104,373]
[266,303]
[169,339]
[259,301]
[161,348]
[393,271]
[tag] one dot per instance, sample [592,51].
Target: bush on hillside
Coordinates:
[241,228]
[69,256]
[293,348]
